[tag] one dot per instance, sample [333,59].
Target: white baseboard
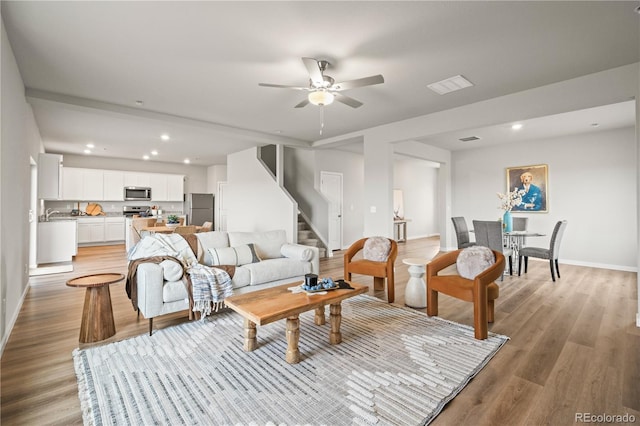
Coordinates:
[9,329]
[638,319]
[53,268]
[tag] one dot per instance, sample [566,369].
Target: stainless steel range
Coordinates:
[130,211]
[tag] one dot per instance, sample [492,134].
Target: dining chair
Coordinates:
[462,232]
[543,253]
[207,226]
[184,230]
[489,234]
[161,223]
[520,224]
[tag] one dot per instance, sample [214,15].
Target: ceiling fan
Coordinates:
[323,89]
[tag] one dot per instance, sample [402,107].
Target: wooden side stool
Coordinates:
[97,314]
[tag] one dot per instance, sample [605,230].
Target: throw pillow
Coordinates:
[473,260]
[171,271]
[376,249]
[240,255]
[297,252]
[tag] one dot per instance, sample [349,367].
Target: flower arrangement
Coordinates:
[172,218]
[510,199]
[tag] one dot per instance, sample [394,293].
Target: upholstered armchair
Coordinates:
[379,255]
[478,288]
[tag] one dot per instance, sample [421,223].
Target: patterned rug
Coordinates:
[395,366]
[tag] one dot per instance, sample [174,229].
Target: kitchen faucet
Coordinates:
[48,213]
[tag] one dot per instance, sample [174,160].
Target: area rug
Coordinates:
[395,366]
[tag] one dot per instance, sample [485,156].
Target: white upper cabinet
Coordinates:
[158,187]
[72,186]
[167,187]
[175,187]
[113,185]
[93,185]
[49,176]
[137,179]
[108,185]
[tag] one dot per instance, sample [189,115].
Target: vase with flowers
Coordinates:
[507,202]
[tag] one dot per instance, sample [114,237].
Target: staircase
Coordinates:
[307,237]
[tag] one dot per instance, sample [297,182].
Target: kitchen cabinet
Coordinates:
[167,187]
[72,186]
[113,185]
[175,188]
[82,184]
[93,185]
[137,179]
[114,229]
[56,241]
[49,176]
[158,187]
[91,230]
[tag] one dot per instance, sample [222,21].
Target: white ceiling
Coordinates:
[197,65]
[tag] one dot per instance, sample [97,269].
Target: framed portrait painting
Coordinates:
[534,181]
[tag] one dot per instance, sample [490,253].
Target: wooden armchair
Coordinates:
[378,269]
[481,291]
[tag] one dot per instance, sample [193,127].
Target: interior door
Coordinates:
[331,188]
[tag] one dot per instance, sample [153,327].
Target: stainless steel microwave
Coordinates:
[137,193]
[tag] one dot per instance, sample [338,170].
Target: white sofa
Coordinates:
[161,291]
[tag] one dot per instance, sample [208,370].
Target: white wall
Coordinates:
[215,174]
[19,141]
[254,200]
[592,184]
[351,166]
[419,184]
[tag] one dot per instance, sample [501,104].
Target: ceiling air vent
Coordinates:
[450,84]
[470,138]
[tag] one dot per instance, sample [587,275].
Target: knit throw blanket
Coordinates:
[209,286]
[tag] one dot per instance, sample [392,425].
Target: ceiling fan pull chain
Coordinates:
[321,119]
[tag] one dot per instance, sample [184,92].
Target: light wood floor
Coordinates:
[574,346]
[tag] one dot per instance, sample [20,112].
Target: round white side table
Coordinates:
[415,295]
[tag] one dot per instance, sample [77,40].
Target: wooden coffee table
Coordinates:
[97,314]
[272,304]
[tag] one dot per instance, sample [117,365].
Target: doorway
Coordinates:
[33,208]
[331,188]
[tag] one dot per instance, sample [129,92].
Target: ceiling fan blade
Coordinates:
[282,86]
[302,104]
[359,82]
[314,71]
[347,100]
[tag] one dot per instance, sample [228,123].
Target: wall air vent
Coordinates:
[470,138]
[450,84]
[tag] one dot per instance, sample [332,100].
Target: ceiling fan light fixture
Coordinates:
[321,97]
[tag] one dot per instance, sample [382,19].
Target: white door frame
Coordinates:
[333,245]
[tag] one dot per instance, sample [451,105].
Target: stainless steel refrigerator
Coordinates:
[199,208]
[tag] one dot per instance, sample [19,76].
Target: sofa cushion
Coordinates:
[297,252]
[240,255]
[267,244]
[207,240]
[171,271]
[241,278]
[276,269]
[173,291]
[473,260]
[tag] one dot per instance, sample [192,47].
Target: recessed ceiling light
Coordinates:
[87,151]
[90,145]
[139,103]
[145,157]
[517,126]
[469,139]
[187,161]
[450,84]
[165,137]
[154,152]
